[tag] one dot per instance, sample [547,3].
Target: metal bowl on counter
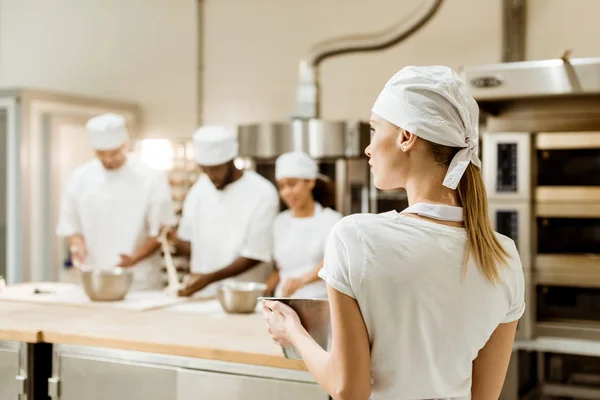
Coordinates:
[315,318]
[106,285]
[240,297]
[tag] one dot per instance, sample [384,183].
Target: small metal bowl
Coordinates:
[315,318]
[106,285]
[240,297]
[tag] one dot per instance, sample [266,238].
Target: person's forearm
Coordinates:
[148,248]
[272,282]
[318,361]
[76,241]
[183,247]
[239,265]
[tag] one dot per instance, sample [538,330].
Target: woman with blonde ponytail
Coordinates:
[424,303]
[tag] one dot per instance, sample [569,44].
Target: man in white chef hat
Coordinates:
[227,216]
[115,206]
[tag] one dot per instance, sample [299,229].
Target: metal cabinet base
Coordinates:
[96,374]
[10,386]
[24,370]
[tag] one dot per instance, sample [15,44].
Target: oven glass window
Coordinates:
[506,171]
[568,304]
[568,167]
[568,235]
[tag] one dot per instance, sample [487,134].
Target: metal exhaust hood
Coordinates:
[559,94]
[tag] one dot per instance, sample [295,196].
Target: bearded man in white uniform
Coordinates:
[227,218]
[115,206]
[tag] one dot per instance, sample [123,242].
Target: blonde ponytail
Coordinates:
[482,243]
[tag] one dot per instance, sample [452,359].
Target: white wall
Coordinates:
[142,51]
[145,51]
[558,25]
[253,47]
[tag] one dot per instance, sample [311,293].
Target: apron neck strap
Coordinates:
[440,212]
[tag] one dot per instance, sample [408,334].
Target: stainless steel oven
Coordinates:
[507,175]
[567,208]
[541,166]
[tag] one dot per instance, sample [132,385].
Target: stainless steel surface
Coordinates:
[106,285]
[220,386]
[267,140]
[240,297]
[567,140]
[308,91]
[491,144]
[100,379]
[569,391]
[315,318]
[9,370]
[3,190]
[531,79]
[341,185]
[85,371]
[53,388]
[571,194]
[135,357]
[568,210]
[12,252]
[318,138]
[324,138]
[514,17]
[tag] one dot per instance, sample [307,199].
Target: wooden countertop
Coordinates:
[206,333]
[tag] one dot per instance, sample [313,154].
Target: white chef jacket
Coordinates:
[299,246]
[223,225]
[426,320]
[116,211]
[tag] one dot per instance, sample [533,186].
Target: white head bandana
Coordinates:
[214,145]
[107,132]
[434,104]
[296,164]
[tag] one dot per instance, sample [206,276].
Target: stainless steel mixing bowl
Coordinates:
[315,318]
[106,285]
[240,297]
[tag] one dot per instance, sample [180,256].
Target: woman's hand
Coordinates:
[282,320]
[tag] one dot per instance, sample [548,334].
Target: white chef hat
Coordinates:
[215,145]
[107,131]
[435,104]
[296,164]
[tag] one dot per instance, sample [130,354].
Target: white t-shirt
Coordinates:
[299,246]
[223,225]
[116,211]
[426,323]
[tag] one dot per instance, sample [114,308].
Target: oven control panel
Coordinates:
[507,179]
[506,165]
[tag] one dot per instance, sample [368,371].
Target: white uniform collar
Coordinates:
[318,209]
[440,212]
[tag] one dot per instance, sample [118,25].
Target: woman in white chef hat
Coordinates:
[300,232]
[424,303]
